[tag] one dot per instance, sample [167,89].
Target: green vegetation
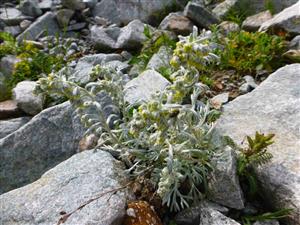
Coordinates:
[248,220]
[164,140]
[236,16]
[250,52]
[33,62]
[154,41]
[269,5]
[254,155]
[9,45]
[167,140]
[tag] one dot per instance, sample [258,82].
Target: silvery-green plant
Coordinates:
[166,139]
[195,50]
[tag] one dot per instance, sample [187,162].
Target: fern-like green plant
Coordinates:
[254,155]
[279,214]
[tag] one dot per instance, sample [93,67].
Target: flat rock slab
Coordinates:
[67,186]
[45,25]
[122,12]
[85,65]
[9,109]
[273,107]
[287,20]
[12,16]
[144,86]
[48,139]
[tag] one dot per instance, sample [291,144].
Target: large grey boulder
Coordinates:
[273,107]
[160,59]
[287,20]
[13,30]
[132,36]
[251,7]
[201,16]
[224,186]
[122,12]
[177,23]
[67,186]
[44,25]
[253,23]
[144,86]
[104,39]
[12,16]
[49,138]
[85,65]
[30,8]
[129,37]
[26,100]
[9,126]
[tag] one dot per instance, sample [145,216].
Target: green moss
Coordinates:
[154,41]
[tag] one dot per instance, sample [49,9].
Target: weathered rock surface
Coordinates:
[7,64]
[9,109]
[64,188]
[191,216]
[112,38]
[12,16]
[218,100]
[224,186]
[49,138]
[295,43]
[271,222]
[177,23]
[45,4]
[145,85]
[132,36]
[248,86]
[160,59]
[30,8]
[253,23]
[26,100]
[13,30]
[104,39]
[288,20]
[228,26]
[200,15]
[273,107]
[214,217]
[86,63]
[63,17]
[122,12]
[251,6]
[45,24]
[9,126]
